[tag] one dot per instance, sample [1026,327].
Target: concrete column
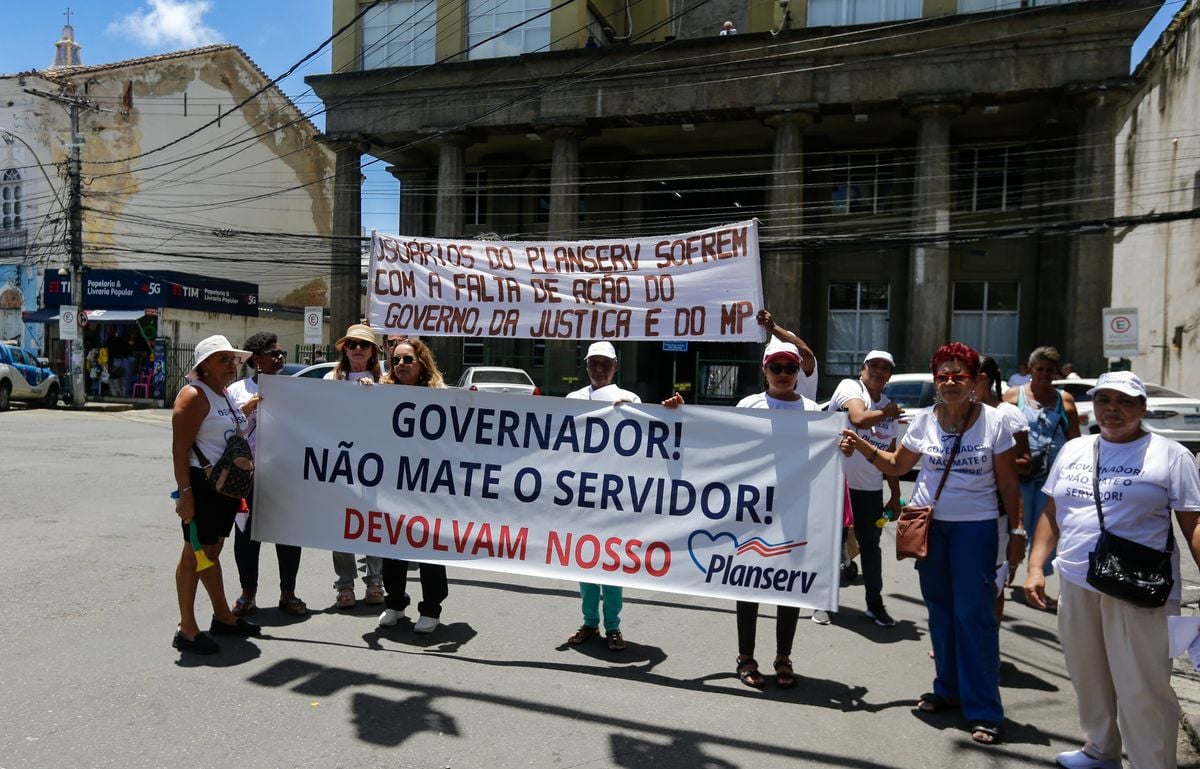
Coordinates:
[345,277]
[413,176]
[451,180]
[929,264]
[564,180]
[1090,254]
[783,272]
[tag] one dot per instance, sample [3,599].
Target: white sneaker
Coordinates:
[426,624]
[390,617]
[821,617]
[1077,759]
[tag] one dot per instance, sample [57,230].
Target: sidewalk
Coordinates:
[1186,680]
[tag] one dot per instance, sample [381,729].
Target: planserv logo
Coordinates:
[726,561]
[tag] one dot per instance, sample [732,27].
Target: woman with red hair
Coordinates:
[966,455]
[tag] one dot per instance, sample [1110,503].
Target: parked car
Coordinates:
[497,379]
[315,371]
[26,377]
[912,392]
[1168,413]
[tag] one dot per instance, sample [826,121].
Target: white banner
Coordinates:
[703,285]
[733,503]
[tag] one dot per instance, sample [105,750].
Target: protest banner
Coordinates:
[703,285]
[733,503]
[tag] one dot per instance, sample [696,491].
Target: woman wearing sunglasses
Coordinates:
[967,455]
[781,367]
[359,363]
[413,365]
[267,358]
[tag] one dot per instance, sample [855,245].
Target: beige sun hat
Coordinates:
[210,346]
[360,331]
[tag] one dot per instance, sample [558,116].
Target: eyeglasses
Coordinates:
[955,378]
[405,359]
[358,344]
[783,368]
[275,353]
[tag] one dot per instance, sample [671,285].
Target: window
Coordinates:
[475,198]
[838,13]
[862,183]
[539,353]
[990,179]
[11,205]
[486,18]
[472,353]
[858,323]
[985,317]
[974,6]
[401,33]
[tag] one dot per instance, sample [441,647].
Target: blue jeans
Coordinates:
[591,605]
[1033,501]
[958,585]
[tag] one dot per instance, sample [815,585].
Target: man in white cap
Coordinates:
[873,416]
[601,365]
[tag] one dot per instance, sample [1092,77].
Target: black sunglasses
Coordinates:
[405,359]
[275,353]
[358,344]
[782,368]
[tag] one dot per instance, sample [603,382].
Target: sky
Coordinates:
[274,33]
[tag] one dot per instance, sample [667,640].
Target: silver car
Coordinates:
[497,379]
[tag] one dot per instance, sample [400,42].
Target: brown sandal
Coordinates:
[243,605]
[616,642]
[584,633]
[375,594]
[747,671]
[345,598]
[785,675]
[293,606]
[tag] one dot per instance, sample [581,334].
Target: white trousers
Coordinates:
[1117,657]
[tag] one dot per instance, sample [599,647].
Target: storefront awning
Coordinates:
[44,315]
[112,316]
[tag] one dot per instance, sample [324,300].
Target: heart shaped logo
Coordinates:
[703,541]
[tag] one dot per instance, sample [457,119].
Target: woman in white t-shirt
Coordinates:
[1116,652]
[781,367]
[359,363]
[958,573]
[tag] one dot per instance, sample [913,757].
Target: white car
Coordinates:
[315,371]
[1168,413]
[912,392]
[497,379]
[26,377]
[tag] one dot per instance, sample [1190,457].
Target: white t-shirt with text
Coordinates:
[1141,482]
[970,491]
[860,473]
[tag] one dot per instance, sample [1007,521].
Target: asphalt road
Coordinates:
[89,678]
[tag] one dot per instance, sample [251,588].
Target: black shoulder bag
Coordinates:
[1126,569]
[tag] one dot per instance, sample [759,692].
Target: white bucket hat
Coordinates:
[210,346]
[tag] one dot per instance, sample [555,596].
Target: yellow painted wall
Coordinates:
[346,46]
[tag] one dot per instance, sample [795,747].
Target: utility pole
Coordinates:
[75,232]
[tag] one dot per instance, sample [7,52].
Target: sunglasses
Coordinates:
[407,360]
[783,368]
[956,378]
[275,353]
[358,344]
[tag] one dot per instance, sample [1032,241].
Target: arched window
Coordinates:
[11,205]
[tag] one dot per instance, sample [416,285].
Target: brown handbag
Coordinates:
[912,527]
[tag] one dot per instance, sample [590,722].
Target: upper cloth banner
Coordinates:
[703,285]
[731,503]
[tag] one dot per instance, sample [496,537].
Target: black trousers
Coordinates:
[434,587]
[747,627]
[246,551]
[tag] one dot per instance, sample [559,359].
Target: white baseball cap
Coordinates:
[879,355]
[601,350]
[210,346]
[1122,381]
[778,348]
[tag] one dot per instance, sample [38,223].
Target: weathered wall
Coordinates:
[1156,268]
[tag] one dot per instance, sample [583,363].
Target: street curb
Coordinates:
[1186,682]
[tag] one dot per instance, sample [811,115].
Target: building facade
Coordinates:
[192,165]
[920,167]
[1156,266]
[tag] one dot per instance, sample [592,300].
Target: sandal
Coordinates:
[931,702]
[374,594]
[345,598]
[616,642]
[244,605]
[747,671]
[785,675]
[293,606]
[986,734]
[584,633]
